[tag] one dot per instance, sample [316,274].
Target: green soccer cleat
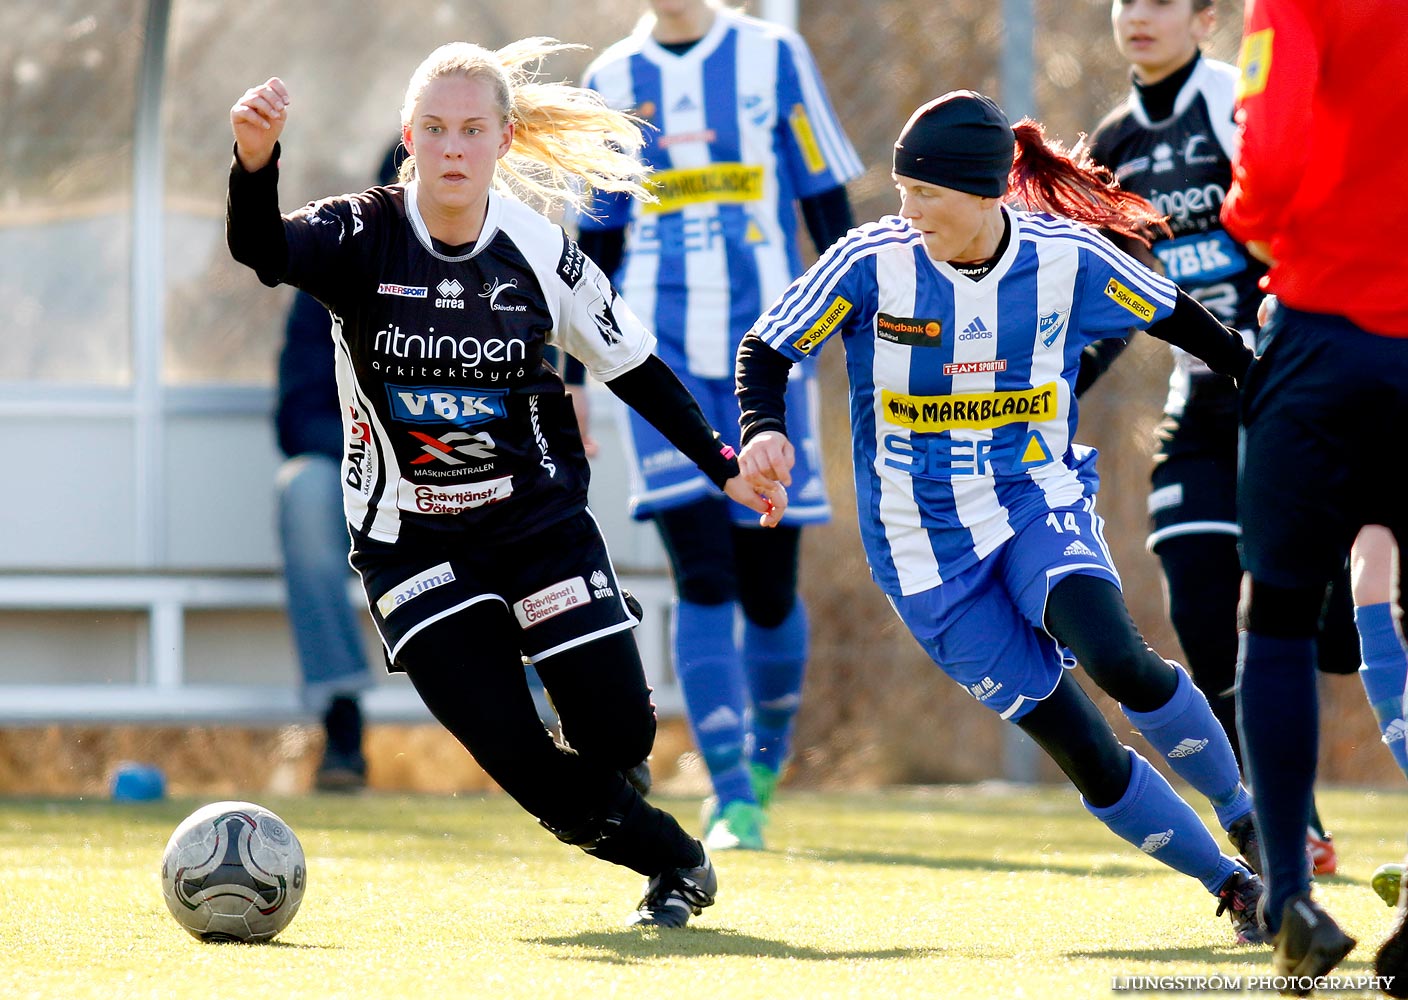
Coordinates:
[1385,882]
[737,827]
[764,781]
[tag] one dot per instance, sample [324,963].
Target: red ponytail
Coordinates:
[1046,177]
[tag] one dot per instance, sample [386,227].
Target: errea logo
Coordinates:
[450,291]
[599,581]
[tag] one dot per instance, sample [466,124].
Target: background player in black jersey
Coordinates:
[464,473]
[1170,140]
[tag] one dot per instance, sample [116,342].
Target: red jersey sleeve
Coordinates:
[1280,64]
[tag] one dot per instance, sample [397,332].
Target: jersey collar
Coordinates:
[486,234]
[1004,263]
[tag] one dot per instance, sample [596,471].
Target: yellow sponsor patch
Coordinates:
[970,410]
[718,183]
[806,139]
[1130,300]
[824,327]
[1255,60]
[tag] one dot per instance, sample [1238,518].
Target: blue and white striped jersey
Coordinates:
[963,407]
[742,128]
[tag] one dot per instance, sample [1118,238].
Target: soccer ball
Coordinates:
[233,871]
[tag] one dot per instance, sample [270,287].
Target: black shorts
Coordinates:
[1193,494]
[558,585]
[1324,410]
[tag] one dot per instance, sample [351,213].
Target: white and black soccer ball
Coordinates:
[233,871]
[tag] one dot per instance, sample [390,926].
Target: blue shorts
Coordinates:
[984,628]
[662,478]
[558,585]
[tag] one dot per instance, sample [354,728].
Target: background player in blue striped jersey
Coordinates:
[964,321]
[742,132]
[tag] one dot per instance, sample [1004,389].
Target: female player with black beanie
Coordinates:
[964,319]
[465,479]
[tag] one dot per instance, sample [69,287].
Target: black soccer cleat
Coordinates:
[639,777]
[1309,943]
[1238,898]
[1244,836]
[673,896]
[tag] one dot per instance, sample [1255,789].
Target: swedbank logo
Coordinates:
[1131,301]
[908,330]
[823,327]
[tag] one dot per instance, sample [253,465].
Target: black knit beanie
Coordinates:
[961,141]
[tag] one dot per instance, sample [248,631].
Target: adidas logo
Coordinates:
[1079,548]
[1396,731]
[1155,840]
[684,104]
[975,330]
[1187,748]
[722,717]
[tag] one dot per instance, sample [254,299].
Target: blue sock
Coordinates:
[775,660]
[1152,817]
[1278,712]
[1195,745]
[1385,675]
[711,677]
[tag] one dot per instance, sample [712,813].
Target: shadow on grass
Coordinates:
[986,865]
[628,947]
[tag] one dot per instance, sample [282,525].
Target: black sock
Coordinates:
[647,839]
[343,722]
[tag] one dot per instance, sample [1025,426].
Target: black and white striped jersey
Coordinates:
[1183,165]
[452,417]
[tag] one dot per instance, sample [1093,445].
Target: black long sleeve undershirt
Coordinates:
[254,229]
[1095,360]
[760,380]
[657,394]
[1198,332]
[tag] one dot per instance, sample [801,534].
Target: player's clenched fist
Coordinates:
[258,119]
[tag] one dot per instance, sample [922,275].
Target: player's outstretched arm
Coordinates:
[258,119]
